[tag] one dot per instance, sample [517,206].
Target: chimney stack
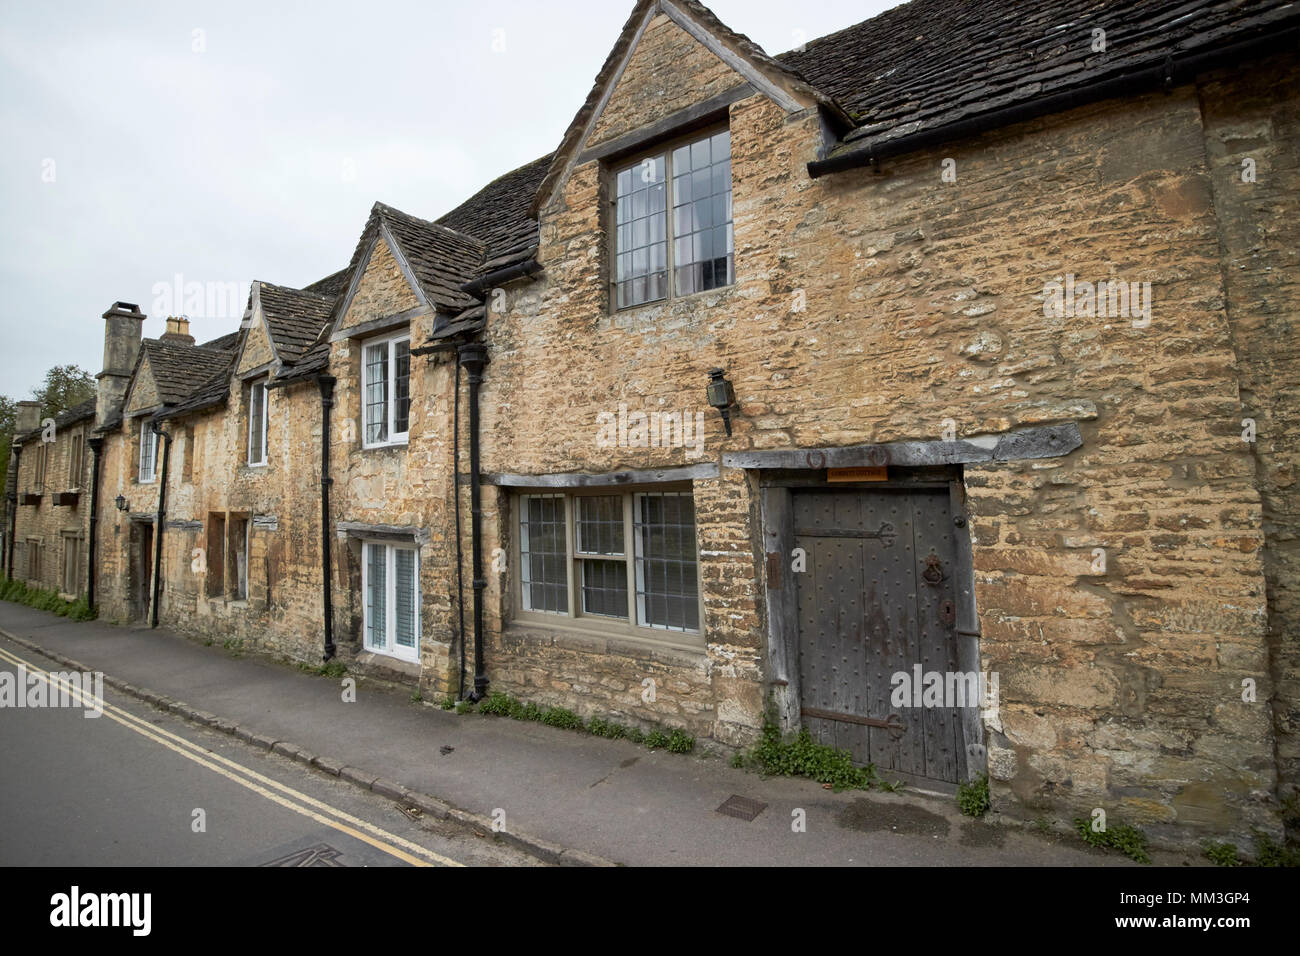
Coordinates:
[123,327]
[27,417]
[178,330]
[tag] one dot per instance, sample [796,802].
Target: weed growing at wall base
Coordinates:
[1130,841]
[800,756]
[973,797]
[500,704]
[44,600]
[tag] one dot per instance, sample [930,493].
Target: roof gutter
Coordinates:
[517,271]
[1174,71]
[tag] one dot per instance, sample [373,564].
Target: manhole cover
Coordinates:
[742,808]
[322,854]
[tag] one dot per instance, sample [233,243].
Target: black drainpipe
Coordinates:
[96,446]
[474,356]
[1174,71]
[17,452]
[162,520]
[326,383]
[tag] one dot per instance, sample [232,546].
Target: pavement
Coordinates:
[560,795]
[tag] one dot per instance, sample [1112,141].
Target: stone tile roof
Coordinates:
[71,416]
[332,285]
[209,394]
[499,215]
[225,343]
[294,318]
[178,370]
[928,63]
[441,258]
[314,361]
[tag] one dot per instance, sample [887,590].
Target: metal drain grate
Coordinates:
[742,808]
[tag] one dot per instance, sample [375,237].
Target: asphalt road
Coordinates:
[139,787]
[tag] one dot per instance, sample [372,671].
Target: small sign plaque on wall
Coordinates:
[858,474]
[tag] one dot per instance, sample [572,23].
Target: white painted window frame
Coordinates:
[254,459]
[391,340]
[391,648]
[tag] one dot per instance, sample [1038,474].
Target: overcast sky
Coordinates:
[231,141]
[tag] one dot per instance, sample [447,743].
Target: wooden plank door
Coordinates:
[876,599]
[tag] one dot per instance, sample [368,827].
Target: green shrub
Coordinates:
[333,669]
[561,717]
[1222,854]
[973,797]
[800,756]
[656,740]
[530,711]
[448,702]
[680,742]
[498,704]
[635,735]
[1129,840]
[43,600]
[1268,852]
[463,707]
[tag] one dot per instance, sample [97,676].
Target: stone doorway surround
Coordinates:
[780,471]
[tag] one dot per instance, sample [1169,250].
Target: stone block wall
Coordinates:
[46,525]
[1252,142]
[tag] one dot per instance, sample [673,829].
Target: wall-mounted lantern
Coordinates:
[121,503]
[722,396]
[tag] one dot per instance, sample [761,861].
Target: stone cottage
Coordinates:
[927,387]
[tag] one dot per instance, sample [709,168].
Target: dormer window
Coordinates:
[658,255]
[386,390]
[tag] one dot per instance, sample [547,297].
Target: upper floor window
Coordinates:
[42,457]
[386,390]
[257,418]
[74,461]
[148,453]
[657,255]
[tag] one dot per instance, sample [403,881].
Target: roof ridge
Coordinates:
[294,289]
[382,207]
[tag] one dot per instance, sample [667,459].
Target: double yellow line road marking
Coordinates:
[272,790]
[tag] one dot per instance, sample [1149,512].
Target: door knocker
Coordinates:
[933,573]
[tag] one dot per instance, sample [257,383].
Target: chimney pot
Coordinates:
[178,330]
